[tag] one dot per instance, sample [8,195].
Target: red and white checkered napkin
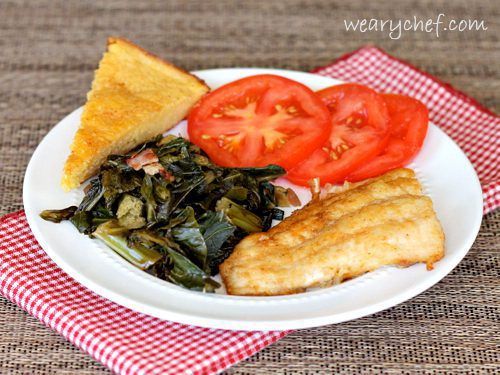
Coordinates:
[126,341]
[132,343]
[474,128]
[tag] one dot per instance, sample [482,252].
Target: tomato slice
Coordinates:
[409,119]
[359,131]
[259,120]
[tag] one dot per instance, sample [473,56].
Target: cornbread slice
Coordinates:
[134,97]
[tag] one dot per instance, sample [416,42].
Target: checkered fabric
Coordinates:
[128,342]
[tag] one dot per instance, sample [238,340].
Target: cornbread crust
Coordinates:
[113,40]
[135,96]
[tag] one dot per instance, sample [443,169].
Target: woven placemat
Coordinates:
[48,52]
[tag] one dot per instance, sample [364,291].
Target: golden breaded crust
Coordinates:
[382,221]
[134,97]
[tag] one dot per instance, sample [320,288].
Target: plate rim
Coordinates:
[225,323]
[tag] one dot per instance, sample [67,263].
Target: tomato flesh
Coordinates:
[408,122]
[259,120]
[358,132]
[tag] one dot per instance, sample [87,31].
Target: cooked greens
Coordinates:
[167,209]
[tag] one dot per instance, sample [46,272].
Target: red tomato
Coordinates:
[359,131]
[408,122]
[259,120]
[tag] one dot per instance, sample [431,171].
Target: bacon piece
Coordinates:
[141,159]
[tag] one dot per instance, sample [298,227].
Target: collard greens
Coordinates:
[168,210]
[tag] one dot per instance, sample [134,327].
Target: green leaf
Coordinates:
[115,183]
[117,162]
[240,216]
[238,193]
[147,195]
[164,199]
[188,233]
[216,231]
[185,189]
[267,173]
[82,220]
[151,238]
[187,274]
[172,146]
[113,235]
[56,216]
[93,195]
[266,190]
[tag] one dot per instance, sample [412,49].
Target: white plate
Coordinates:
[442,168]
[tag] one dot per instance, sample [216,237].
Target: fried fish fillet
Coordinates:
[377,222]
[135,96]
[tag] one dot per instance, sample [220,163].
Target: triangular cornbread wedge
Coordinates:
[134,97]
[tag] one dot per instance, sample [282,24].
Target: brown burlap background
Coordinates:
[48,51]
